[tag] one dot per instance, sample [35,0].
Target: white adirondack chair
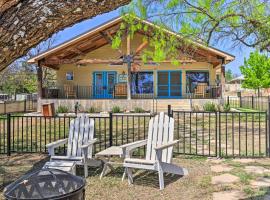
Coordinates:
[159,150]
[80,143]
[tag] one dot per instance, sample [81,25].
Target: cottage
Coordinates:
[91,72]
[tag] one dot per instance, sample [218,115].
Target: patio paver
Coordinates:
[220,168]
[224,179]
[256,169]
[261,182]
[228,195]
[245,160]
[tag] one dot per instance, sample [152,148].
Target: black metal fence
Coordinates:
[250,102]
[222,134]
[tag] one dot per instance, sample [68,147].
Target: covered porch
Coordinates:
[146,84]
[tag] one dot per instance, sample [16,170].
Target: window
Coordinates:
[69,76]
[142,83]
[195,77]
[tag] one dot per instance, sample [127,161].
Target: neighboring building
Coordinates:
[237,80]
[88,72]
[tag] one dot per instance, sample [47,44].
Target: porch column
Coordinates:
[39,81]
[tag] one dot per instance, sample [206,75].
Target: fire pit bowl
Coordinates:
[47,184]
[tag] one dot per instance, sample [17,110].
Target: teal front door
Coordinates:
[104,84]
[169,84]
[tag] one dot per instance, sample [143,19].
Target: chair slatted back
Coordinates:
[81,130]
[161,131]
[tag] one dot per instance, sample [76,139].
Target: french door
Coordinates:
[169,84]
[104,84]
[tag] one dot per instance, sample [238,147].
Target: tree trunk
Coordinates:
[25,23]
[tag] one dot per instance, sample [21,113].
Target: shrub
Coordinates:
[195,108]
[210,107]
[116,109]
[139,110]
[93,109]
[62,109]
[227,107]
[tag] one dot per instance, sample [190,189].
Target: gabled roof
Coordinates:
[92,39]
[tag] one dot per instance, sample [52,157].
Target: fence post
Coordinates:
[252,102]
[169,110]
[24,105]
[240,100]
[268,130]
[111,128]
[219,133]
[228,100]
[5,107]
[8,134]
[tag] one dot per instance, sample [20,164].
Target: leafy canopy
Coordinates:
[244,22]
[256,70]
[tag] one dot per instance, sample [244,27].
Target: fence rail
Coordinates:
[222,134]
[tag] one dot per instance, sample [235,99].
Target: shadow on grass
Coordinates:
[140,177]
[9,175]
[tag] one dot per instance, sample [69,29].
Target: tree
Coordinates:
[228,75]
[24,24]
[256,70]
[21,77]
[245,22]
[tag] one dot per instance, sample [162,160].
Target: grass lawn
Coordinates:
[197,185]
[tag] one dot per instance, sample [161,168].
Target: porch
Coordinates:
[119,91]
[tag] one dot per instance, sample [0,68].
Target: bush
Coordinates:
[62,109]
[116,109]
[195,108]
[93,109]
[210,107]
[139,110]
[227,107]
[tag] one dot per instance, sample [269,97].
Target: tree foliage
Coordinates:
[256,70]
[21,77]
[229,75]
[245,22]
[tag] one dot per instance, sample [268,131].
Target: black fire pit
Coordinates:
[47,184]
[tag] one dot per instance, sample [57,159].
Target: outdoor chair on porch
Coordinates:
[70,91]
[200,90]
[79,144]
[159,150]
[120,90]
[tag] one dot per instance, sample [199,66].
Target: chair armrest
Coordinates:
[57,143]
[87,150]
[134,145]
[167,145]
[88,143]
[129,148]
[54,145]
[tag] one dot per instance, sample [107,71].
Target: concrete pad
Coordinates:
[256,169]
[260,182]
[224,179]
[229,195]
[220,168]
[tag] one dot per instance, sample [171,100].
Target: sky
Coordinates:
[239,52]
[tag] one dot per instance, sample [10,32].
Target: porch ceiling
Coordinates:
[74,50]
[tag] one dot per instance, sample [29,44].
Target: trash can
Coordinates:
[47,184]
